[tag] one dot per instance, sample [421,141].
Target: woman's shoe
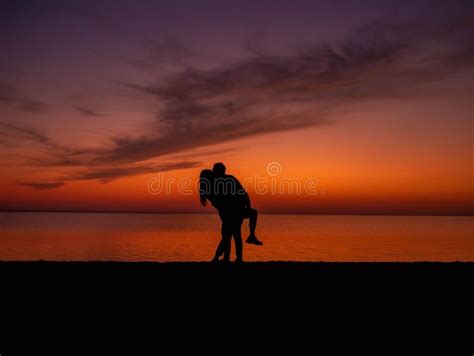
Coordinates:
[252,239]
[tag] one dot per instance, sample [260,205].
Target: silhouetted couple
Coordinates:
[229,197]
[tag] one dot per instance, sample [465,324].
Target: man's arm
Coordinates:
[242,192]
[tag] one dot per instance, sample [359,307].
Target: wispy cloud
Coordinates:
[107,174]
[42,186]
[267,93]
[15,98]
[22,133]
[54,155]
[158,51]
[87,111]
[48,153]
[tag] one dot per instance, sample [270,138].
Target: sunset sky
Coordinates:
[373,100]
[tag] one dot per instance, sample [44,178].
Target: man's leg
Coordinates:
[238,240]
[226,239]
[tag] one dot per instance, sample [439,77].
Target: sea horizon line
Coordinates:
[212,213]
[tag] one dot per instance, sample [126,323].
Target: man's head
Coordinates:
[218,169]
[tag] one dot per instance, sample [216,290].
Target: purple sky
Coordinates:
[96,91]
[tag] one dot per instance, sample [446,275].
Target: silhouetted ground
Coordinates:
[396,300]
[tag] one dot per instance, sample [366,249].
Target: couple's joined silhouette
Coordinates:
[229,197]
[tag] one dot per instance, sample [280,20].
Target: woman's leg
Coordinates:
[225,235]
[252,215]
[220,248]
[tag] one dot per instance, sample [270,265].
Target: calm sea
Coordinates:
[193,237]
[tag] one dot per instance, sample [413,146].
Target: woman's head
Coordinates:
[206,181]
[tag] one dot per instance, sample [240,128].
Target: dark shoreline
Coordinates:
[232,272]
[277,282]
[182,265]
[428,303]
[272,269]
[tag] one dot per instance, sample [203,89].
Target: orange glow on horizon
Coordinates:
[360,165]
